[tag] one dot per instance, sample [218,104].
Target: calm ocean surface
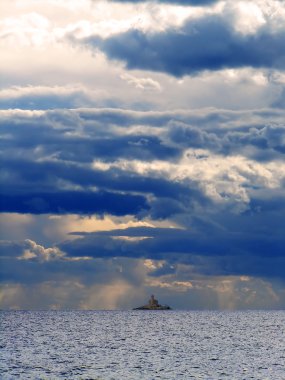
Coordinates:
[142,345]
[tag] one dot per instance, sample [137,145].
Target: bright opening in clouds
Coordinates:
[143,152]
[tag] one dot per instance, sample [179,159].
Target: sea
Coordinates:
[121,345]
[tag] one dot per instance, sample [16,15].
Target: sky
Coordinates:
[142,153]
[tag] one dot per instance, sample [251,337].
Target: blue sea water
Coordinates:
[142,345]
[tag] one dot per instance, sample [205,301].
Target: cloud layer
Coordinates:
[219,175]
[208,43]
[142,152]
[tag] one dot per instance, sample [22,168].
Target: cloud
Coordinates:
[211,44]
[69,295]
[27,29]
[43,80]
[217,175]
[280,101]
[224,250]
[199,3]
[76,202]
[167,164]
[45,97]
[32,264]
[142,83]
[47,229]
[34,251]
[66,283]
[184,203]
[34,25]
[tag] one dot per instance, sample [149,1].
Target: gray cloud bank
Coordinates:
[208,43]
[246,252]
[219,174]
[50,159]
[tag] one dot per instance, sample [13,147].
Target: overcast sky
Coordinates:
[142,153]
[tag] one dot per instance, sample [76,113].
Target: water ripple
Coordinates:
[130,345]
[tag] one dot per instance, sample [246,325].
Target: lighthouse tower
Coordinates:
[153,302]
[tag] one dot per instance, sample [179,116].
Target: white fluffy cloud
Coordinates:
[34,251]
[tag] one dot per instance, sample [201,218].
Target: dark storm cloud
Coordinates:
[73,202]
[49,166]
[47,158]
[163,242]
[121,198]
[215,252]
[205,44]
[45,175]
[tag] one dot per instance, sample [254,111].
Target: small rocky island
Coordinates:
[153,305]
